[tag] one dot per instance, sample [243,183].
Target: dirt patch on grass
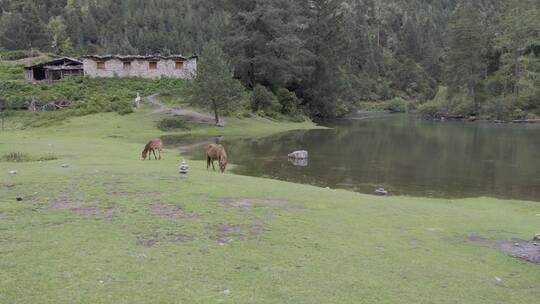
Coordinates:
[228,233]
[226,238]
[230,228]
[147,243]
[223,228]
[139,194]
[64,204]
[107,213]
[181,238]
[167,211]
[171,212]
[156,239]
[524,250]
[248,203]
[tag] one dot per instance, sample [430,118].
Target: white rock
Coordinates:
[299,155]
[499,280]
[537,237]
[227,292]
[12,172]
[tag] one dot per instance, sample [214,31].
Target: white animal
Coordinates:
[138,100]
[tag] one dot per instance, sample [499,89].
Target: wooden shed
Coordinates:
[54,70]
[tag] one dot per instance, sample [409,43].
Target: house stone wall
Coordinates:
[140,68]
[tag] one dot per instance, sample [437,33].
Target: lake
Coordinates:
[402,153]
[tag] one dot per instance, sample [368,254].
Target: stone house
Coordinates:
[153,66]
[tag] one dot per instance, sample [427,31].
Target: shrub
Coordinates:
[288,100]
[172,123]
[429,109]
[437,105]
[19,157]
[16,157]
[397,105]
[17,54]
[261,99]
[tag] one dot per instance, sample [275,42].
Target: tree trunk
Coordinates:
[214,104]
[517,72]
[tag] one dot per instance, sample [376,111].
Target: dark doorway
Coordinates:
[39,73]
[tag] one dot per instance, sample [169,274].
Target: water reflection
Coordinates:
[403,154]
[299,162]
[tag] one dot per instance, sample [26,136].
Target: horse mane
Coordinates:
[222,154]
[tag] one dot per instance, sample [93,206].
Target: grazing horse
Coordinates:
[151,147]
[216,152]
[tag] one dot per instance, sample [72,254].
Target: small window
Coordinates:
[101,65]
[179,65]
[153,65]
[127,65]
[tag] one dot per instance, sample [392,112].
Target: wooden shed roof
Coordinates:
[59,63]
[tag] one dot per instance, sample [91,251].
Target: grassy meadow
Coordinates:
[109,228]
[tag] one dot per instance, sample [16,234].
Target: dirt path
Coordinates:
[190,115]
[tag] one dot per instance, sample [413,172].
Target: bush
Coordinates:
[429,109]
[436,106]
[497,107]
[16,157]
[397,105]
[172,123]
[19,157]
[288,100]
[17,54]
[262,99]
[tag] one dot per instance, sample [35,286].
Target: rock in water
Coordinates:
[299,155]
[12,172]
[537,237]
[65,166]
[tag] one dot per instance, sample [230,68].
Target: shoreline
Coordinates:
[123,224]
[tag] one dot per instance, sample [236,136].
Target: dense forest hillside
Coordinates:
[450,57]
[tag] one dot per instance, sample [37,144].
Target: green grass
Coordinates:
[87,233]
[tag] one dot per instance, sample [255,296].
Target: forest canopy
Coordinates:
[459,57]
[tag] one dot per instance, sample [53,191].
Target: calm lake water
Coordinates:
[402,153]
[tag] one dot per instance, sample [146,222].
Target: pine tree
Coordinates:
[214,86]
[466,49]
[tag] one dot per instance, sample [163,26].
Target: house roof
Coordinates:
[59,63]
[138,57]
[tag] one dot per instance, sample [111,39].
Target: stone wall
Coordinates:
[140,68]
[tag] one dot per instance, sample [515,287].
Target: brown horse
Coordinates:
[151,147]
[216,152]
